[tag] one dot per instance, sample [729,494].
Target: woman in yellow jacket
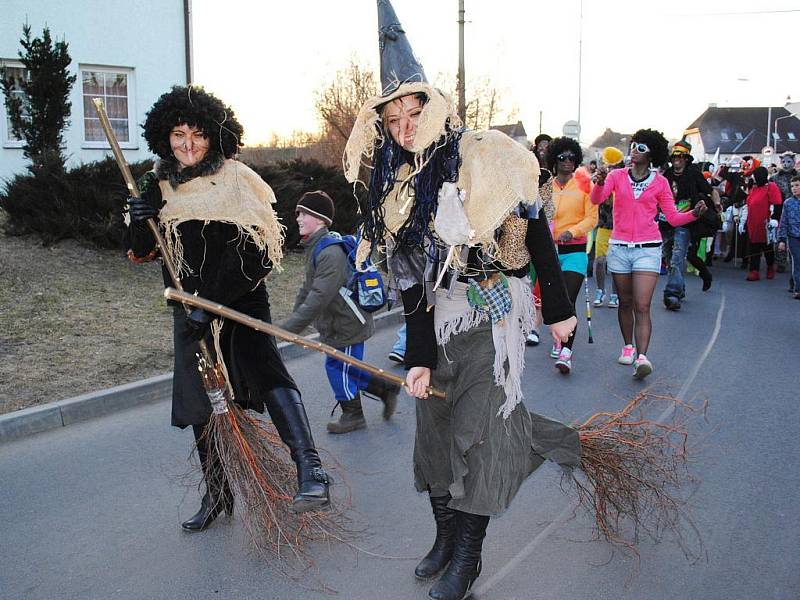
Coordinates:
[575,217]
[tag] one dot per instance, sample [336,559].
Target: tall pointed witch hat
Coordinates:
[401,75]
[398,63]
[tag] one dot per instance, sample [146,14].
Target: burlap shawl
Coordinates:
[236,195]
[496,173]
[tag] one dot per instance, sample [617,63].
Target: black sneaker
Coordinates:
[672,303]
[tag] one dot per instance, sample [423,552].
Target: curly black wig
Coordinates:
[655,140]
[563,144]
[194,107]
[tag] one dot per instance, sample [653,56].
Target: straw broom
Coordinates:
[633,475]
[253,459]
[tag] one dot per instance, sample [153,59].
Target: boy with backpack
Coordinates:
[325,300]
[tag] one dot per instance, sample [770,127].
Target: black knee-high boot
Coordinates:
[465,565]
[290,419]
[445,541]
[218,496]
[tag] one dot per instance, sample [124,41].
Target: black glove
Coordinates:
[198,321]
[140,210]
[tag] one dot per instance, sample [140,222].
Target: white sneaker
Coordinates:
[532,339]
[642,367]
[613,301]
[628,355]
[564,362]
[599,297]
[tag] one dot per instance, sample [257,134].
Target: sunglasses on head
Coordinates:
[566,156]
[640,147]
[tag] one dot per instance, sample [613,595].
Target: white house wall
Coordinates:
[146,36]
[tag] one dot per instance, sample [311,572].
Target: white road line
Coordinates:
[569,509]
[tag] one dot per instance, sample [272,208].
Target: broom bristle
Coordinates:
[263,477]
[636,475]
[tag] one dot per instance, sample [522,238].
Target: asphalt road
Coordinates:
[92,510]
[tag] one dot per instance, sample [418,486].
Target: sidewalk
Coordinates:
[62,413]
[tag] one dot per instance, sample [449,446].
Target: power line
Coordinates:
[751,12]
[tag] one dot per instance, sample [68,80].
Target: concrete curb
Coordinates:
[62,413]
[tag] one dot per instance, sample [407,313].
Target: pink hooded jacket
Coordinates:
[634,218]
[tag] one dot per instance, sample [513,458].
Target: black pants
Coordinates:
[756,248]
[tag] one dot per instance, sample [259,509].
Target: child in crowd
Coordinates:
[789,233]
[340,322]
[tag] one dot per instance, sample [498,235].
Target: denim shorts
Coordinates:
[622,259]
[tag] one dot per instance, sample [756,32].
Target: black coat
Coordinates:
[228,268]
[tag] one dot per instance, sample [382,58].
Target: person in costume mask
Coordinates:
[783,179]
[224,236]
[459,216]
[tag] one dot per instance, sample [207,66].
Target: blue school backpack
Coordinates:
[365,287]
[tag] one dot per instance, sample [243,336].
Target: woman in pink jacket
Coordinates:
[634,252]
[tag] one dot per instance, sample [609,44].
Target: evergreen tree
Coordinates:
[41,116]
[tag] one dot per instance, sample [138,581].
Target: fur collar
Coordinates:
[169,169]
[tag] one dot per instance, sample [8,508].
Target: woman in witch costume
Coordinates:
[438,198]
[219,225]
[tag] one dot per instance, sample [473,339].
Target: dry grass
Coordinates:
[75,319]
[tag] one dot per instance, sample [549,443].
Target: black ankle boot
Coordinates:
[290,419]
[445,541]
[385,392]
[465,565]
[218,496]
[209,510]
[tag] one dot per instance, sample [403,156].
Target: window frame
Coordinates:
[4,129]
[133,142]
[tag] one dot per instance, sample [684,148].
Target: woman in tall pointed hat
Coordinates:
[459,215]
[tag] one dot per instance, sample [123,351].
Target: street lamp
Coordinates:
[775,128]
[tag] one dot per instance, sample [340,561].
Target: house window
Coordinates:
[791,135]
[724,136]
[16,71]
[115,87]
[739,136]
[776,135]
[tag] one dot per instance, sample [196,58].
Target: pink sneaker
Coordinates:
[628,355]
[642,367]
[555,351]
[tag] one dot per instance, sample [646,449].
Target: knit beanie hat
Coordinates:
[317,204]
[682,147]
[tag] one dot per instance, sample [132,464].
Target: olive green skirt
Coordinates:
[463,447]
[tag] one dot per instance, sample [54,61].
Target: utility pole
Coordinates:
[580,65]
[462,105]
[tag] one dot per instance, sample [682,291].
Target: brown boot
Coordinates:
[386,392]
[352,417]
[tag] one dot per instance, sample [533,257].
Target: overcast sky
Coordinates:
[645,63]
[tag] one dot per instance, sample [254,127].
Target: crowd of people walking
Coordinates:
[469,289]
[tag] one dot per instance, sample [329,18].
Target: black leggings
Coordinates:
[574,282]
[756,248]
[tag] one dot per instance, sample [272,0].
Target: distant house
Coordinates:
[515,131]
[622,141]
[126,53]
[741,131]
